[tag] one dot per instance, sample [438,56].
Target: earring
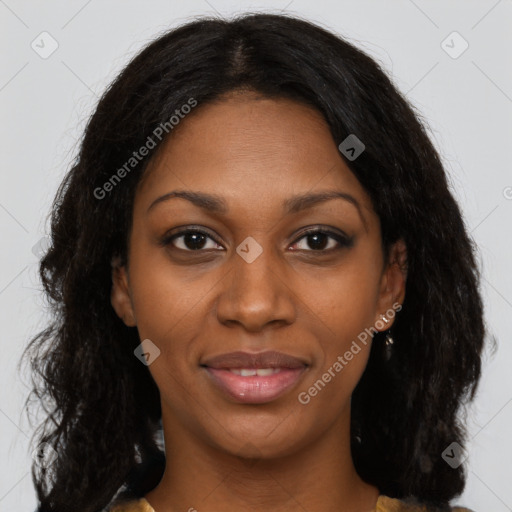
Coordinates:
[388,342]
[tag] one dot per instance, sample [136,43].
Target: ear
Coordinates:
[120,294]
[392,288]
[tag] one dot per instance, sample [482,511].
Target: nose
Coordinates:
[256,294]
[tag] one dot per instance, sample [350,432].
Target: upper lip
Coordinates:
[268,359]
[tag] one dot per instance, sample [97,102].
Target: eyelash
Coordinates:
[343,240]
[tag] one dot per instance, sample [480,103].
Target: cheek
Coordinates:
[344,306]
[163,296]
[345,301]
[169,312]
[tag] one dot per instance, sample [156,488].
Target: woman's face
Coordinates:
[253,281]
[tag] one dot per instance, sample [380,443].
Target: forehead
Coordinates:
[251,150]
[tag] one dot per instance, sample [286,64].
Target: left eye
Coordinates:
[321,240]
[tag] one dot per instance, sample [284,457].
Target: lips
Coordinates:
[269,359]
[254,377]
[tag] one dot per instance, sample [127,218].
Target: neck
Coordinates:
[319,476]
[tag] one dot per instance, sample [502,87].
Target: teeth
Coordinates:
[264,372]
[251,372]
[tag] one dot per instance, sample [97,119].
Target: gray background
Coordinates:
[466,100]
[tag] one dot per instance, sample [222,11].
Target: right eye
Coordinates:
[191,240]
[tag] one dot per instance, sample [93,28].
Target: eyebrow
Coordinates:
[216,204]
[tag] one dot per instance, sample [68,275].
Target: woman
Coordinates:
[256,254]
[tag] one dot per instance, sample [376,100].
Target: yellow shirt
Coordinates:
[384,504]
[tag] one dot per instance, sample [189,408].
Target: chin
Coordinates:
[269,438]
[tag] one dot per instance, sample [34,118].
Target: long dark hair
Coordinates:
[102,405]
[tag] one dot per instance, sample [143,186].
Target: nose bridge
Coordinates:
[255,294]
[255,265]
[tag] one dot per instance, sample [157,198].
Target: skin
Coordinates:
[283,456]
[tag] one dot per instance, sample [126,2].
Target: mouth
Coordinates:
[254,378]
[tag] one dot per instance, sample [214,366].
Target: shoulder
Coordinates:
[387,504]
[140,505]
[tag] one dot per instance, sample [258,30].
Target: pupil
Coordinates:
[316,244]
[196,238]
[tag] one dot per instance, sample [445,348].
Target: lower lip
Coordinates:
[255,389]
